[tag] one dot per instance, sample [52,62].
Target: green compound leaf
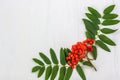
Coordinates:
[62,73]
[48,72]
[89,35]
[94,52]
[92,30]
[36,68]
[53,56]
[45,58]
[110,22]
[106,40]
[38,61]
[93,18]
[94,12]
[54,72]
[108,30]
[110,16]
[102,45]
[80,72]
[41,71]
[109,9]
[90,26]
[62,57]
[87,63]
[68,73]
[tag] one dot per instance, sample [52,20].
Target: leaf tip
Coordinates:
[33,59]
[51,49]
[109,50]
[89,7]
[40,53]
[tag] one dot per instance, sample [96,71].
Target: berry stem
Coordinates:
[91,64]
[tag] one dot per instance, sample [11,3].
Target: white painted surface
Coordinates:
[30,26]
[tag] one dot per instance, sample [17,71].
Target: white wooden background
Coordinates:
[30,26]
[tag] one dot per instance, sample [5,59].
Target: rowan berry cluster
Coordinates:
[79,51]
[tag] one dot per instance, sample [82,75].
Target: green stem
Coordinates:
[55,65]
[91,64]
